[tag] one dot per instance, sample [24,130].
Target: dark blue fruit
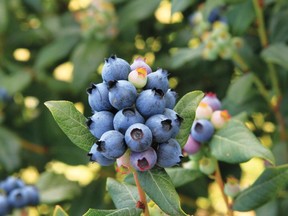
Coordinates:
[100,122]
[4,205]
[169,153]
[33,195]
[143,161]
[98,97]
[176,121]
[150,102]
[138,137]
[111,144]
[125,118]
[11,183]
[170,98]
[158,80]
[202,130]
[122,94]
[115,69]
[97,156]
[18,198]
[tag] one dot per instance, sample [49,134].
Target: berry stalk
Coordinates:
[142,195]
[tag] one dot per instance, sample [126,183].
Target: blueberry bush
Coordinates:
[155,107]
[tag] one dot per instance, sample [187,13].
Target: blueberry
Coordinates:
[98,97]
[219,118]
[207,165]
[161,127]
[138,137]
[4,96]
[33,195]
[170,98]
[212,100]
[111,144]
[100,122]
[97,156]
[140,63]
[143,161]
[115,69]
[125,118]
[4,205]
[169,153]
[18,198]
[138,77]
[203,111]
[214,15]
[158,80]
[176,120]
[202,130]
[191,146]
[11,183]
[122,94]
[150,102]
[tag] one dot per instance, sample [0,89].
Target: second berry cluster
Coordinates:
[133,113]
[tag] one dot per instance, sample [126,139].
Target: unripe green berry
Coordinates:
[207,165]
[232,187]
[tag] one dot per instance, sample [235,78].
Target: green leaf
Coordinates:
[15,82]
[186,107]
[123,195]
[266,187]
[184,55]
[159,187]
[59,211]
[86,58]
[276,53]
[4,16]
[56,188]
[55,51]
[135,11]
[278,28]
[10,149]
[72,122]
[181,176]
[116,212]
[180,5]
[235,143]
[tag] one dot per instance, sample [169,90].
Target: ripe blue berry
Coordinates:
[4,205]
[170,98]
[115,69]
[138,77]
[111,144]
[176,120]
[138,137]
[97,156]
[17,198]
[33,195]
[11,183]
[100,122]
[122,94]
[202,130]
[161,127]
[158,80]
[191,146]
[169,153]
[125,118]
[150,102]
[145,160]
[98,97]
[140,63]
[212,100]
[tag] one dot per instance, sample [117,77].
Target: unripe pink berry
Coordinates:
[123,162]
[191,146]
[203,111]
[212,100]
[219,118]
[141,63]
[138,77]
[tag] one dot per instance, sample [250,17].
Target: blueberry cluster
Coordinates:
[14,193]
[209,117]
[133,113]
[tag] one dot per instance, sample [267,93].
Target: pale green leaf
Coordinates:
[72,122]
[116,212]
[265,188]
[276,53]
[180,5]
[58,211]
[159,187]
[186,107]
[185,55]
[235,143]
[181,176]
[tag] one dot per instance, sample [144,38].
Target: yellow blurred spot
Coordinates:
[266,140]
[194,43]
[258,119]
[251,171]
[34,23]
[249,213]
[173,82]
[64,72]
[274,101]
[203,203]
[31,102]
[139,42]
[250,125]
[150,58]
[216,198]
[79,106]
[81,173]
[57,167]
[44,209]
[163,13]
[268,127]
[75,5]
[32,211]
[173,50]
[29,175]
[99,69]
[22,54]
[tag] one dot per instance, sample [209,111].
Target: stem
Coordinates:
[219,181]
[33,147]
[274,79]
[141,194]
